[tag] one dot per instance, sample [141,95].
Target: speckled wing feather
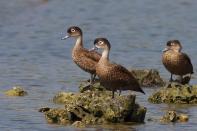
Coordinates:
[119,73]
[87,60]
[92,55]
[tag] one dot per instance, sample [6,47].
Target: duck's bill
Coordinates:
[93,49]
[165,49]
[65,37]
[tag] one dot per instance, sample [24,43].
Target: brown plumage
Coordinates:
[175,61]
[84,58]
[113,76]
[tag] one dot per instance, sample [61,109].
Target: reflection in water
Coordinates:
[33,56]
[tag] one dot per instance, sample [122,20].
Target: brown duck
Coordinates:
[84,58]
[175,61]
[113,76]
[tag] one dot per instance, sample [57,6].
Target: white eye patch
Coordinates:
[72,30]
[100,42]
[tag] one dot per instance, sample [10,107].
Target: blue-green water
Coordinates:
[33,56]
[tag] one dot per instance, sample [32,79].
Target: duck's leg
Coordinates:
[92,78]
[171,80]
[89,83]
[120,92]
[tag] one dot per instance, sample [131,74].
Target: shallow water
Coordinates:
[33,56]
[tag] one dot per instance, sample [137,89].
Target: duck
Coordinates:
[82,57]
[175,61]
[111,75]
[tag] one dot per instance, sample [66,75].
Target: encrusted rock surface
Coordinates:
[94,107]
[175,93]
[173,116]
[16,91]
[148,77]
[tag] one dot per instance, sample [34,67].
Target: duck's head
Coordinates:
[102,43]
[173,45]
[73,31]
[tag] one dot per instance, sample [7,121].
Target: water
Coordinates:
[33,56]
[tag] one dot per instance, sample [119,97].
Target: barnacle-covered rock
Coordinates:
[16,91]
[173,116]
[95,107]
[148,77]
[175,93]
[96,86]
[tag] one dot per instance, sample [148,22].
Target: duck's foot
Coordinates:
[171,80]
[86,87]
[183,80]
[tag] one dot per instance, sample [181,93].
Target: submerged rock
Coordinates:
[95,107]
[148,77]
[16,91]
[175,93]
[173,116]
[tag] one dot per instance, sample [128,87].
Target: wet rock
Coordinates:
[95,107]
[173,116]
[78,124]
[57,116]
[148,77]
[63,97]
[44,109]
[16,91]
[84,86]
[175,93]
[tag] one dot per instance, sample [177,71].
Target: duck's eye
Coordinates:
[72,30]
[100,42]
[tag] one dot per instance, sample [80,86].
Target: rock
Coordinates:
[173,116]
[63,97]
[44,109]
[84,86]
[183,118]
[175,93]
[95,107]
[148,77]
[16,91]
[57,116]
[78,124]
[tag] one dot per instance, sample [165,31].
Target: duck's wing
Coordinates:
[125,78]
[92,55]
[186,57]
[87,60]
[119,72]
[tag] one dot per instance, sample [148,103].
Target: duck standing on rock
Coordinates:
[113,76]
[175,61]
[84,58]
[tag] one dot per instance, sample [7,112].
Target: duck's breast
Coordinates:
[177,63]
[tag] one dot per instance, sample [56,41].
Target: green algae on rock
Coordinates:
[96,86]
[16,91]
[78,124]
[58,116]
[148,77]
[95,107]
[175,93]
[173,116]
